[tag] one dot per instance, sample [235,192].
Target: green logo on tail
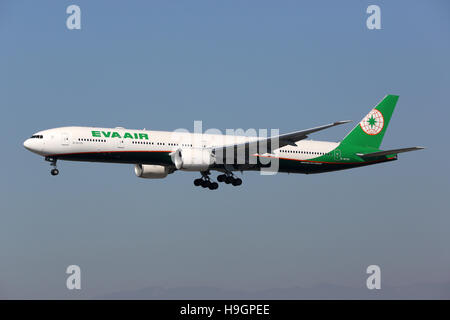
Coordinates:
[373,123]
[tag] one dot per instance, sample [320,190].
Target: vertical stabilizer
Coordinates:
[370,131]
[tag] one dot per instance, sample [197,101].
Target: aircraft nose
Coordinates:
[27,144]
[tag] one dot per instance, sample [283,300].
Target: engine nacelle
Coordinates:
[149,171]
[193,159]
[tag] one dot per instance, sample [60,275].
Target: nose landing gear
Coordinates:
[205,181]
[54,171]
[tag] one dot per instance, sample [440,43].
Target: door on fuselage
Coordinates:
[120,146]
[65,141]
[337,155]
[120,142]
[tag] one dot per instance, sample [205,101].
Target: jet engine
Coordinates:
[148,171]
[193,159]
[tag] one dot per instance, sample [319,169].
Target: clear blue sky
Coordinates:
[232,64]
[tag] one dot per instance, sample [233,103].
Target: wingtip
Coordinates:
[342,122]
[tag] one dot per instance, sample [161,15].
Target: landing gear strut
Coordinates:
[229,178]
[205,181]
[54,171]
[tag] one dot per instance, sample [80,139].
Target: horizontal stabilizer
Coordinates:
[388,152]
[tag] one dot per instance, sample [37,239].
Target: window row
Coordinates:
[162,143]
[92,140]
[305,152]
[180,144]
[37,136]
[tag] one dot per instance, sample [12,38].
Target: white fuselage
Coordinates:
[63,141]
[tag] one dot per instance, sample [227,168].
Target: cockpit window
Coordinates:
[36,136]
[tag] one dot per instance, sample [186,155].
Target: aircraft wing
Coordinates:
[283,140]
[388,152]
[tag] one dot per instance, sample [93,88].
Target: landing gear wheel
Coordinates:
[205,181]
[205,184]
[237,182]
[54,171]
[213,186]
[229,178]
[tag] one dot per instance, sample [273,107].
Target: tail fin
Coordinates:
[370,131]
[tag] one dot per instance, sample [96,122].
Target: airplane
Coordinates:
[156,154]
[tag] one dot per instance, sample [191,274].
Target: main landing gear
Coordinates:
[54,171]
[205,181]
[228,178]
